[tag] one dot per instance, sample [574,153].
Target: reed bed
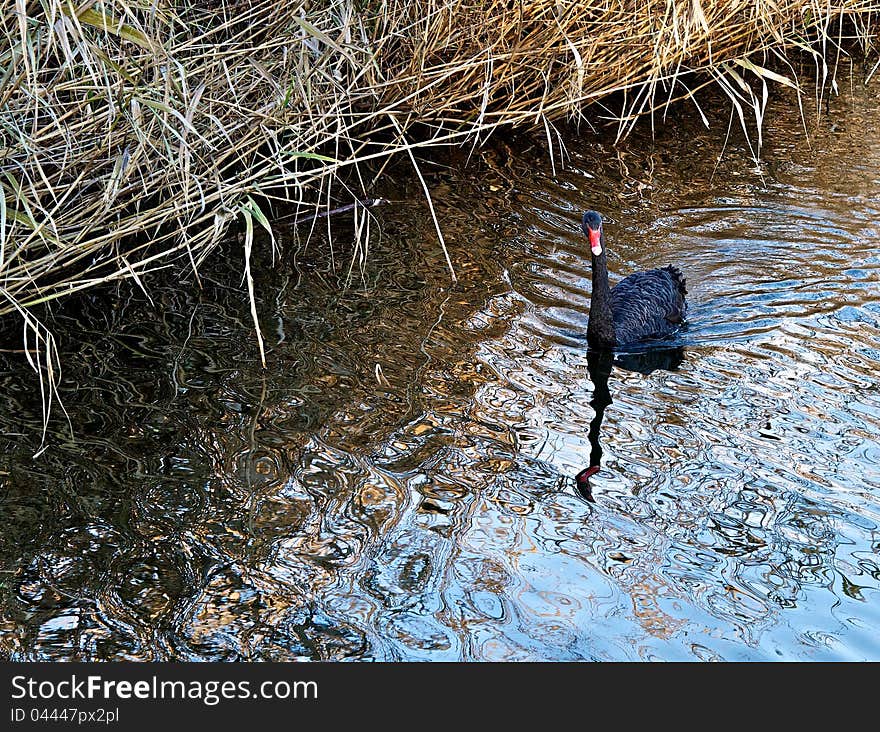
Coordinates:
[133,133]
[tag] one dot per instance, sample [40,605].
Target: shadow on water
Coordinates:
[600,363]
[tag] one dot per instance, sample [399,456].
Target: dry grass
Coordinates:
[133,132]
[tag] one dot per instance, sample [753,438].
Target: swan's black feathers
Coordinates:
[648,304]
[643,306]
[679,279]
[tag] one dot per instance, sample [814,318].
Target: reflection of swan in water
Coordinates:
[599,364]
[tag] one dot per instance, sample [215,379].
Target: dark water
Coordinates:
[399,483]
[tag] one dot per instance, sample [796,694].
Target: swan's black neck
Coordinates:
[600,329]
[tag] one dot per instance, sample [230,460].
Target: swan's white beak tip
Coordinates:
[597,250]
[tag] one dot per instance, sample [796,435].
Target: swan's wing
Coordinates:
[648,303]
[676,314]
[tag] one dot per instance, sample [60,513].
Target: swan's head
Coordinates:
[592,226]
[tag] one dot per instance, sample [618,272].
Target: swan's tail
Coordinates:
[678,278]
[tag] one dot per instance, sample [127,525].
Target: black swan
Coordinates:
[642,306]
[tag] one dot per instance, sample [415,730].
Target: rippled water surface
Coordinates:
[399,483]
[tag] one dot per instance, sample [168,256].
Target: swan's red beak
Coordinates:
[596,241]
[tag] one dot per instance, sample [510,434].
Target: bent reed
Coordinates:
[134,132]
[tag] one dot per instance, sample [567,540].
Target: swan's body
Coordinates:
[643,306]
